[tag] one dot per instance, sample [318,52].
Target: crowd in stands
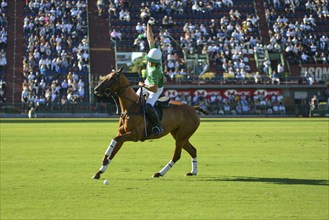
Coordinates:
[56,54]
[300,28]
[237,104]
[231,37]
[3,48]
[227,41]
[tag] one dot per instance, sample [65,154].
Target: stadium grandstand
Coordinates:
[234,57]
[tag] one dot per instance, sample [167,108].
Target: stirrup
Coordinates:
[156,130]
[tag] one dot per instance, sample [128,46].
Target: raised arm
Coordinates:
[149,32]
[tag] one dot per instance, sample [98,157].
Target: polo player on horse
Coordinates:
[153,84]
[179,119]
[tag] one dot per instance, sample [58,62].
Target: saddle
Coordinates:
[161,103]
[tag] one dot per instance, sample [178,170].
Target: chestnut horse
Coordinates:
[179,119]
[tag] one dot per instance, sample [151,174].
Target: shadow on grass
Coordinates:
[286,181]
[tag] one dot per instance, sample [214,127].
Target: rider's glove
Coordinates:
[151,21]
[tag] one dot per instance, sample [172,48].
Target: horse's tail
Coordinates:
[200,109]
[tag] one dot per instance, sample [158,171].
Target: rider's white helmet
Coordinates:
[154,56]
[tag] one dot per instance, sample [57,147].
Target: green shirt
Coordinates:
[154,74]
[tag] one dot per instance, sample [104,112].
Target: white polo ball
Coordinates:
[106,182]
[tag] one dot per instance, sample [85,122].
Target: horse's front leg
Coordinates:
[113,149]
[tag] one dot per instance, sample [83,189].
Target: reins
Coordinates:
[120,93]
[117,94]
[142,103]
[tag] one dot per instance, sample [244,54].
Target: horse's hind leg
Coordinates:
[186,145]
[189,148]
[175,158]
[181,140]
[193,153]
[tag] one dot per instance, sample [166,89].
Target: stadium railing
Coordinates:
[108,109]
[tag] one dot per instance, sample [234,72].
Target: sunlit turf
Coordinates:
[248,169]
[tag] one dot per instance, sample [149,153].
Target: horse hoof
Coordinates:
[190,174]
[97,176]
[156,175]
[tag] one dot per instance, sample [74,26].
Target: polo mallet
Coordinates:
[205,67]
[176,42]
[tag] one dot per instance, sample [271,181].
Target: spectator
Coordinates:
[32,113]
[124,15]
[280,70]
[313,105]
[112,11]
[139,28]
[282,109]
[81,93]
[3,61]
[275,79]
[116,35]
[2,91]
[309,79]
[144,12]
[24,96]
[100,7]
[196,9]
[266,66]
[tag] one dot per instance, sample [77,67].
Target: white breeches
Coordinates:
[151,96]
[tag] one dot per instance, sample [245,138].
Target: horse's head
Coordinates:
[110,84]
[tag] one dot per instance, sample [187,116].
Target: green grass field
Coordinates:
[248,169]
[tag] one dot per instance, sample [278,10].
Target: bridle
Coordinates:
[114,90]
[114,80]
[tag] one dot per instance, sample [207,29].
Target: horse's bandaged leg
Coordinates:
[108,153]
[166,168]
[104,167]
[110,148]
[194,166]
